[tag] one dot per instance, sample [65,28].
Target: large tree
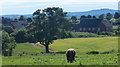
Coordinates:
[101,16]
[48,24]
[82,17]
[73,18]
[8,43]
[89,16]
[22,18]
[20,36]
[116,15]
[109,16]
[94,17]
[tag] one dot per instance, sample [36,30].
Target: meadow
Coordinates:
[27,54]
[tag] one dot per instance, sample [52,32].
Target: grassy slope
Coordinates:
[27,48]
[80,45]
[83,45]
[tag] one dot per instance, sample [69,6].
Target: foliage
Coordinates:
[20,36]
[22,18]
[47,25]
[83,16]
[106,33]
[5,21]
[8,43]
[82,34]
[15,19]
[29,19]
[117,32]
[109,16]
[94,16]
[8,29]
[89,16]
[74,18]
[116,15]
[1,27]
[101,16]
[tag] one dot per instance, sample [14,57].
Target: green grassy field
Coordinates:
[37,56]
[83,45]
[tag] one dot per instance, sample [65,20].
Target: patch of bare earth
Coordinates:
[39,46]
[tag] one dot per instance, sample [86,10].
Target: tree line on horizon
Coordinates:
[107,16]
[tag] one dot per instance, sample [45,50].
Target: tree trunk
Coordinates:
[47,48]
[10,52]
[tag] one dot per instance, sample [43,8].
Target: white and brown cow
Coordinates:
[70,54]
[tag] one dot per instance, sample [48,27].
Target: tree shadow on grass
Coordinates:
[61,52]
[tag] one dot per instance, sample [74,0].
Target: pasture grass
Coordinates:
[37,56]
[60,59]
[26,48]
[84,45]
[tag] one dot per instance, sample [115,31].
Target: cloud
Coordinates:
[28,6]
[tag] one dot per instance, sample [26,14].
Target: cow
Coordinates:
[70,54]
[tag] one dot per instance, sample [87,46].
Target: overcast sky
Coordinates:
[29,6]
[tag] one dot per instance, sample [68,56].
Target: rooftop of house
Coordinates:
[92,22]
[89,22]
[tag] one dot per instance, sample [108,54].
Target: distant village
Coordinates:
[84,24]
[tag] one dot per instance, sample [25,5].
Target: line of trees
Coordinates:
[108,16]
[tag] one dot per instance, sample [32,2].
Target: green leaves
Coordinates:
[8,43]
[47,25]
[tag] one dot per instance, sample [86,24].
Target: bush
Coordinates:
[106,33]
[82,34]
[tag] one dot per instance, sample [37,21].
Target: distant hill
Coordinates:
[92,12]
[16,16]
[78,14]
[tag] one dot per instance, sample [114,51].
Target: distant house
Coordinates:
[18,24]
[93,25]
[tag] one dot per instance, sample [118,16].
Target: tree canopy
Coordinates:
[22,18]
[102,16]
[48,24]
[116,15]
[8,43]
[74,18]
[109,16]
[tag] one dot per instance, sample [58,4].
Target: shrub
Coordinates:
[82,34]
